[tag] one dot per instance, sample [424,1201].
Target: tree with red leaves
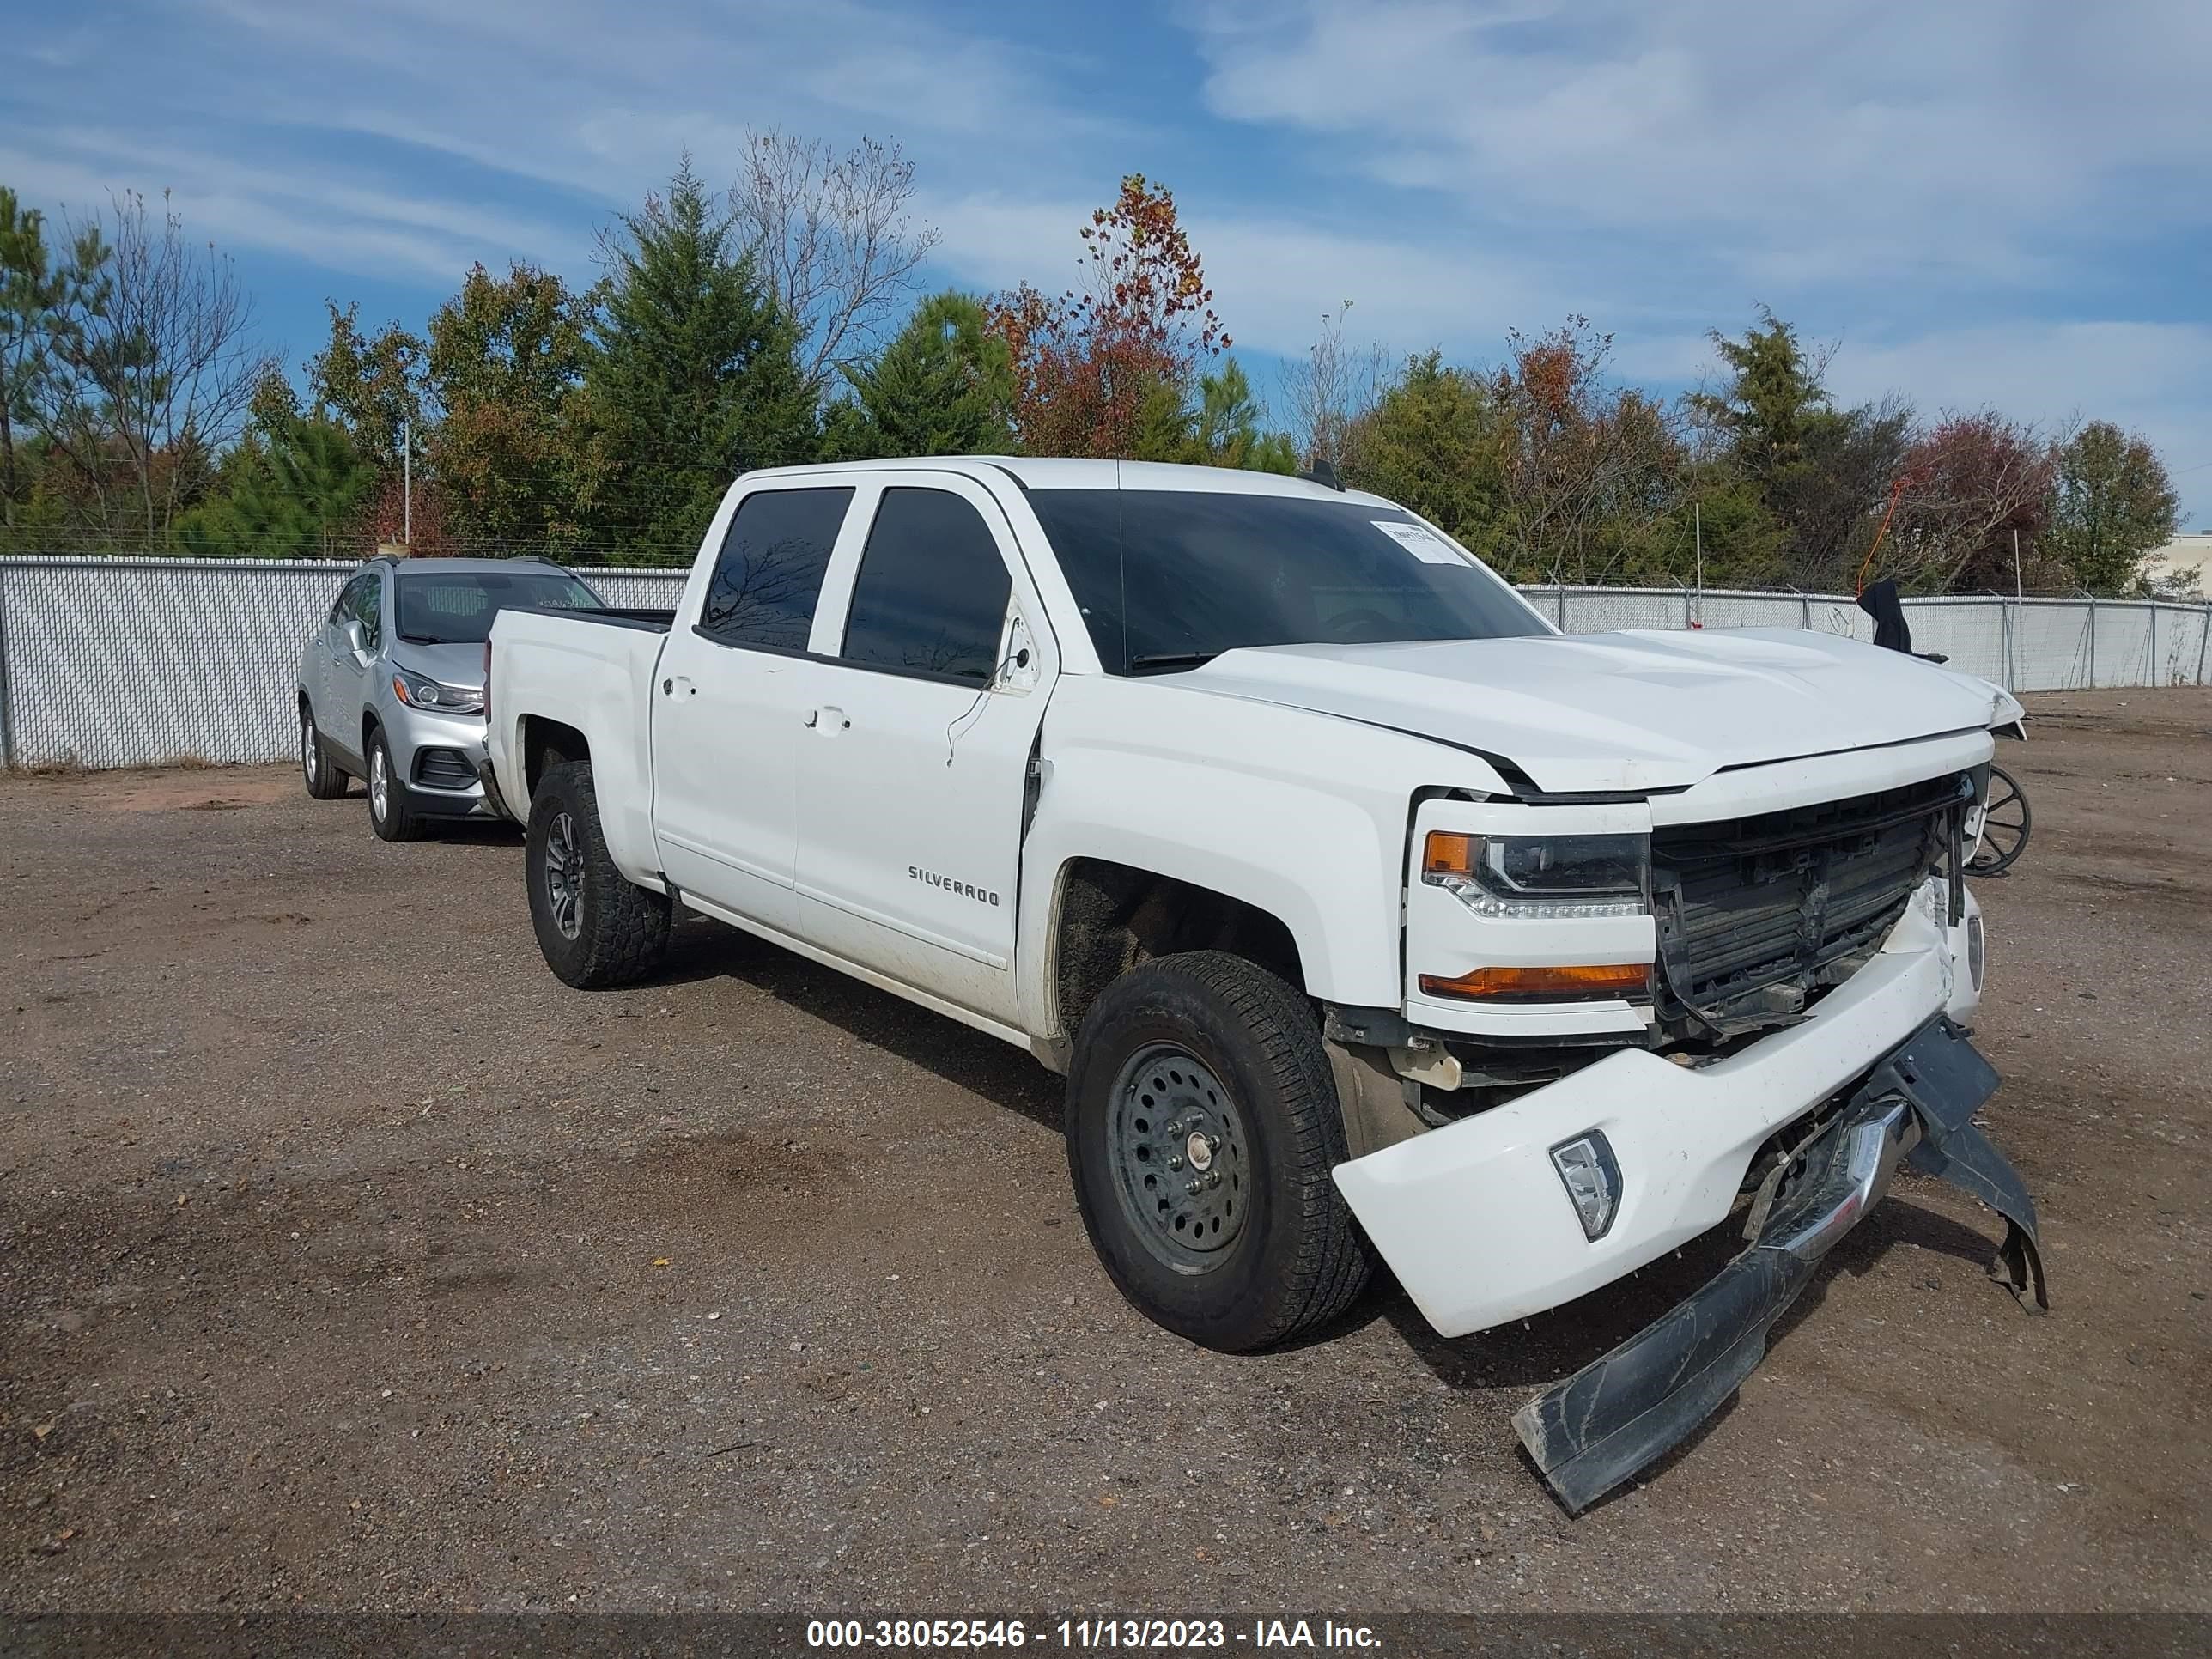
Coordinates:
[1091,369]
[1970,482]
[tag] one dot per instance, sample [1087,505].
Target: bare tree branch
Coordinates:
[163,367]
[1332,390]
[834,238]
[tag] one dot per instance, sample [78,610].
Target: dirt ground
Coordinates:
[349,1261]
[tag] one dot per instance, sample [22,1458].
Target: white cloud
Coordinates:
[1789,142]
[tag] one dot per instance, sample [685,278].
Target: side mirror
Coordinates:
[351,630]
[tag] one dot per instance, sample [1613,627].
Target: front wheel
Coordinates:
[1202,1126]
[595,927]
[317,770]
[390,813]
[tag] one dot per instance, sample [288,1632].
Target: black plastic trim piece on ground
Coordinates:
[1617,1414]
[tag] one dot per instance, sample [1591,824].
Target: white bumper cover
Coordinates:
[1472,1218]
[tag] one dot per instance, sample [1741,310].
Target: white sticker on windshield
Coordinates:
[1420,541]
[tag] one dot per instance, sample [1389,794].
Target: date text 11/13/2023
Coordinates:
[1090,1634]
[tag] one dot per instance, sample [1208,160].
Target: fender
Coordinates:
[1302,815]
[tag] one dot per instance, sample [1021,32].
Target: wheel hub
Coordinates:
[1179,1156]
[564,876]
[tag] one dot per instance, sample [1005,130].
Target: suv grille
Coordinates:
[1756,914]
[444,769]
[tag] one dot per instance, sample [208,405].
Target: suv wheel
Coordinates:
[595,927]
[317,770]
[390,813]
[1202,1125]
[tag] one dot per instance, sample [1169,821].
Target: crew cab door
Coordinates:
[924,699]
[728,701]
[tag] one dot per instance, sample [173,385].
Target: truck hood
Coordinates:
[1629,712]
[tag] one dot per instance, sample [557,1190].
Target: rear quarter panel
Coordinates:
[596,676]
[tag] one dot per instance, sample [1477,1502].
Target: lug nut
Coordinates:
[1174,1164]
[1194,1188]
[1214,1180]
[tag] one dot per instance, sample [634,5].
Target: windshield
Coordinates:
[456,607]
[1169,578]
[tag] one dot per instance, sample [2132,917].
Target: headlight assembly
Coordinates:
[1542,877]
[435,696]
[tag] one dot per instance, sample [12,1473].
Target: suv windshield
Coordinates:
[1169,578]
[456,607]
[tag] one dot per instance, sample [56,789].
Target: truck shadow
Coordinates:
[1000,1072]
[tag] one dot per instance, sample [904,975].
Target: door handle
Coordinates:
[668,686]
[827,720]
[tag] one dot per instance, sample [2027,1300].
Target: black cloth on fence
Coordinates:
[1881,602]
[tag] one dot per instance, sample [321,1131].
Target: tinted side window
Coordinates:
[342,607]
[770,573]
[931,594]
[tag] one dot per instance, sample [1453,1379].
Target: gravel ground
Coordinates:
[349,1261]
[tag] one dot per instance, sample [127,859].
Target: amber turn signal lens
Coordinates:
[1626,979]
[1447,855]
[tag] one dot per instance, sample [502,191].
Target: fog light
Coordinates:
[1592,1179]
[1974,950]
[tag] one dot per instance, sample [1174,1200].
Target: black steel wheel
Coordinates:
[1203,1127]
[2006,821]
[1180,1152]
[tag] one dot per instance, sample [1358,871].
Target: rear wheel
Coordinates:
[595,927]
[390,813]
[317,770]
[1202,1126]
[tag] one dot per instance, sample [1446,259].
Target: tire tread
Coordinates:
[625,931]
[1331,1263]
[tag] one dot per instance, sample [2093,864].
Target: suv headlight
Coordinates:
[420,691]
[1541,876]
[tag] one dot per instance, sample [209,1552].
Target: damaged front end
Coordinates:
[1617,1414]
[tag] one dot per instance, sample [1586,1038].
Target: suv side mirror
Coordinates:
[351,630]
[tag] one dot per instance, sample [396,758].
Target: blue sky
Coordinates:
[2006,202]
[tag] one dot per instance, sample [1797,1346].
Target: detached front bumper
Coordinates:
[1477,1224]
[1474,1220]
[1592,1432]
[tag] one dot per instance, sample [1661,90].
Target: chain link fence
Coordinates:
[123,662]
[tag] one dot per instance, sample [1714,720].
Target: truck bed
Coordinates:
[652,621]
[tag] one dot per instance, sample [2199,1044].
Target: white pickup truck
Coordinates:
[1366,914]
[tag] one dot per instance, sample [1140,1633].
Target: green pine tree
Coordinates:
[694,377]
[945,386]
[292,488]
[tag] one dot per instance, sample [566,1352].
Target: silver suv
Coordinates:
[392,684]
